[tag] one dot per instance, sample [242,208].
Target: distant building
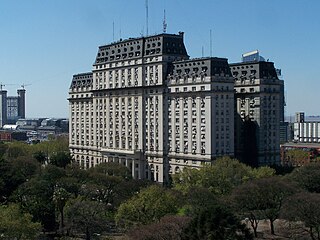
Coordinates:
[40,128]
[305,131]
[12,107]
[3,107]
[284,132]
[12,135]
[299,117]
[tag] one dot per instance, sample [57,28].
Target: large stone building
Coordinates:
[259,111]
[148,106]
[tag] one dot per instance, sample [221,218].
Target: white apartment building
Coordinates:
[148,107]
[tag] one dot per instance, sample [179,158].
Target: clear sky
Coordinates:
[45,42]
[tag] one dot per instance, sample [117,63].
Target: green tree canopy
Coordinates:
[14,172]
[148,206]
[61,159]
[87,217]
[169,228]
[307,177]
[262,198]
[112,169]
[304,207]
[218,223]
[17,149]
[17,225]
[220,177]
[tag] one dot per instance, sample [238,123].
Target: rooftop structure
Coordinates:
[252,56]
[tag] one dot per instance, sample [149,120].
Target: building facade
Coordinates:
[3,106]
[12,107]
[259,108]
[200,112]
[305,131]
[147,106]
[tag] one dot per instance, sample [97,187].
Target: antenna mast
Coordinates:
[1,86]
[210,43]
[113,30]
[164,21]
[147,17]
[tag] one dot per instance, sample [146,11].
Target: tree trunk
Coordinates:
[254,224]
[62,220]
[87,234]
[311,234]
[255,229]
[271,226]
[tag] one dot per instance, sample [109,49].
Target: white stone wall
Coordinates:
[306,132]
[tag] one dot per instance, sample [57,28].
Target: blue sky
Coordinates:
[45,42]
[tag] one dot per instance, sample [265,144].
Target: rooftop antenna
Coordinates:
[202,51]
[164,22]
[120,31]
[5,84]
[210,43]
[147,17]
[113,30]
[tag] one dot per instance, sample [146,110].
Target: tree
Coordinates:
[126,189]
[60,198]
[36,196]
[220,178]
[169,228]
[61,159]
[307,177]
[17,225]
[101,187]
[14,172]
[296,156]
[146,207]
[218,223]
[87,217]
[198,199]
[40,156]
[304,207]
[3,149]
[262,198]
[17,149]
[112,169]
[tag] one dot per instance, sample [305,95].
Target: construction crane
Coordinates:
[24,85]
